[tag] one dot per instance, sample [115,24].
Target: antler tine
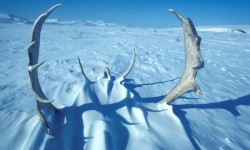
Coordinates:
[83,73]
[33,52]
[42,118]
[193,61]
[130,66]
[33,65]
[34,82]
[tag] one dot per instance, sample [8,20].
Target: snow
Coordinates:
[7,18]
[124,116]
[11,19]
[221,29]
[79,23]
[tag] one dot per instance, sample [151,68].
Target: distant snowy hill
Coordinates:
[100,23]
[7,18]
[80,22]
[228,30]
[12,19]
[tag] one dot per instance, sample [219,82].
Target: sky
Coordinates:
[141,13]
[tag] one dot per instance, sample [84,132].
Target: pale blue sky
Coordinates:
[143,13]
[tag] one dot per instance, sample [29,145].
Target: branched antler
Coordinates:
[194,61]
[193,58]
[42,101]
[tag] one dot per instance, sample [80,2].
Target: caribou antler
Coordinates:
[130,66]
[194,61]
[83,73]
[193,58]
[33,51]
[106,72]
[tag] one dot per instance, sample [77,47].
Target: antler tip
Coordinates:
[31,68]
[171,10]
[31,44]
[52,9]
[57,5]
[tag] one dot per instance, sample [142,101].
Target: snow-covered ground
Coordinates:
[218,119]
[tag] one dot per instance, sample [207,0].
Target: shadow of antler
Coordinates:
[229,105]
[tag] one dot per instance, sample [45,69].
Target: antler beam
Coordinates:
[193,61]
[130,66]
[42,101]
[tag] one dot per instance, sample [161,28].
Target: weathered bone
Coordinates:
[130,66]
[41,116]
[42,101]
[107,73]
[193,61]
[83,73]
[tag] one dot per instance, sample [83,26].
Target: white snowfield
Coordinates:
[128,117]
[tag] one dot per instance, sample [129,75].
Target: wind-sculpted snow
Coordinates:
[127,116]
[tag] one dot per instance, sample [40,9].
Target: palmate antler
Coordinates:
[193,61]
[42,102]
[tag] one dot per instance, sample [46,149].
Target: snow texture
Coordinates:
[127,117]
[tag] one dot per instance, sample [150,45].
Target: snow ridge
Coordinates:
[11,19]
[7,18]
[226,30]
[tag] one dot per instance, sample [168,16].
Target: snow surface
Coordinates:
[126,118]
